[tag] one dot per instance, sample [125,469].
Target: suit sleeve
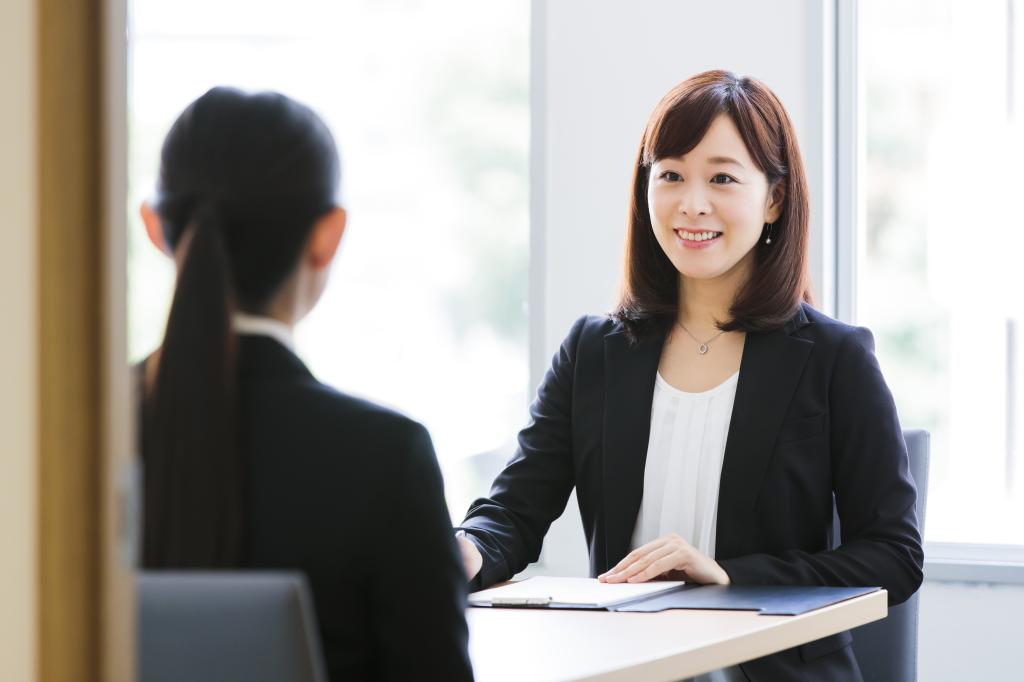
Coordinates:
[875,494]
[508,526]
[419,586]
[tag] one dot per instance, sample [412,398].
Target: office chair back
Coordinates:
[226,627]
[886,649]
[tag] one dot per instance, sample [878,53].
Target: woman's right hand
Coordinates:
[472,560]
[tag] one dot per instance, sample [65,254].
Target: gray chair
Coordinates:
[886,649]
[226,627]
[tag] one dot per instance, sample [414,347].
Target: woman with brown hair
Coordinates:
[710,421]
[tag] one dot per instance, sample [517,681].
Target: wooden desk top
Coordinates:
[535,645]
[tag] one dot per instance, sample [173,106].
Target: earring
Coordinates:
[769,229]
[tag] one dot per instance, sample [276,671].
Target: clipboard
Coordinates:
[570,593]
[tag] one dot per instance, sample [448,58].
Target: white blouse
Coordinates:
[683,470]
[684,463]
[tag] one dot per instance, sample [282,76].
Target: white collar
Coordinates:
[258,325]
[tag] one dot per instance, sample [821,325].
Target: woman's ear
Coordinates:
[776,197]
[154,230]
[326,236]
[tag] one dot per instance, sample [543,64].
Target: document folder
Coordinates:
[654,596]
[768,600]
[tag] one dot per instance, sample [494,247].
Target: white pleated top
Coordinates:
[683,470]
[684,463]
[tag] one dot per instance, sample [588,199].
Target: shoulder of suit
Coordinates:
[590,330]
[819,327]
[588,326]
[599,325]
[352,411]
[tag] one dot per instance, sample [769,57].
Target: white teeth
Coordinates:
[697,236]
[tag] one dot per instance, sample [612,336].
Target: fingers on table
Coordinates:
[642,564]
[658,567]
[636,555]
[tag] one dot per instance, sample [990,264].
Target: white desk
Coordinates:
[537,645]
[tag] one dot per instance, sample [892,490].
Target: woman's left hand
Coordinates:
[670,557]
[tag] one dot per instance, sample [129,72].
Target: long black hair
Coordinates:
[243,179]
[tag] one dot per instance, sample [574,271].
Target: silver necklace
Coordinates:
[702,346]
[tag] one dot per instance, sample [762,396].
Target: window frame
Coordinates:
[944,561]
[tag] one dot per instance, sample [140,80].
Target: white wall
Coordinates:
[18,342]
[600,68]
[970,631]
[607,65]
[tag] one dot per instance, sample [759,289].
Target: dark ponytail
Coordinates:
[243,178]
[193,505]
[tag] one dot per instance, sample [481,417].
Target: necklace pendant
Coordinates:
[702,348]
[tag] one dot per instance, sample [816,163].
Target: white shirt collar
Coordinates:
[258,325]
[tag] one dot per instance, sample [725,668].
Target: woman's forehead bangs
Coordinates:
[679,123]
[683,117]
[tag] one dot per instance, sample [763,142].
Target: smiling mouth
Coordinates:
[704,236]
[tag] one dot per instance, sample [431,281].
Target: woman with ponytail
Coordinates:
[250,462]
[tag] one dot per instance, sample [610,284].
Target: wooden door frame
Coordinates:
[121,509]
[85,596]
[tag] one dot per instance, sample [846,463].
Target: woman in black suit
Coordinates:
[250,462]
[708,424]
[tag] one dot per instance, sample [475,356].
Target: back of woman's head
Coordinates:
[243,180]
[263,168]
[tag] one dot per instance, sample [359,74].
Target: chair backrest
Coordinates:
[226,626]
[887,649]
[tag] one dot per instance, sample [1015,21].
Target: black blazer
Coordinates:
[812,421]
[350,493]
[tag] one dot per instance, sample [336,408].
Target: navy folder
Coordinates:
[769,600]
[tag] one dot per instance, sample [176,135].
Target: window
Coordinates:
[426,309]
[940,263]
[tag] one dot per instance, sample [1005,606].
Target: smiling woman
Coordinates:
[708,424]
[719,158]
[687,212]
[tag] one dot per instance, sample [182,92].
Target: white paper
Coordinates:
[582,592]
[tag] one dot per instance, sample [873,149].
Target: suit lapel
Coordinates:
[629,392]
[770,371]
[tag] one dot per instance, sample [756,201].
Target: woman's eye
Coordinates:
[671,176]
[723,179]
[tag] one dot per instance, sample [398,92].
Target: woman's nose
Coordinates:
[692,202]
